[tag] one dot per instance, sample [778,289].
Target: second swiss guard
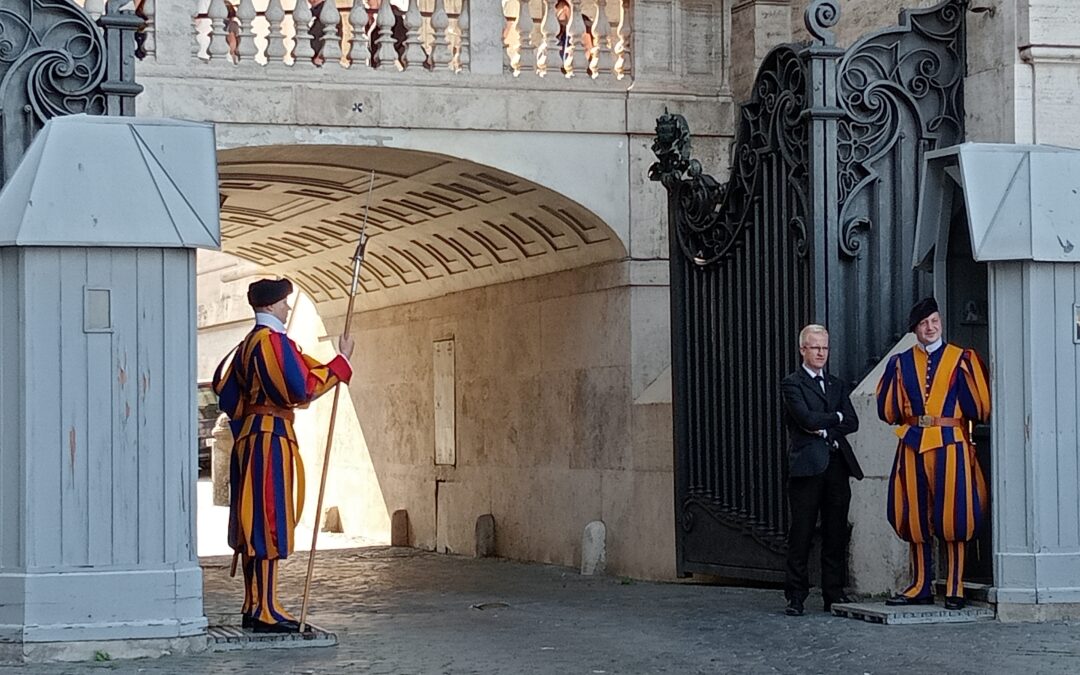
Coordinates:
[934,392]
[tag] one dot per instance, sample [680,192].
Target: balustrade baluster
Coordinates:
[623,63]
[415,57]
[330,18]
[440,48]
[275,37]
[360,44]
[601,61]
[577,60]
[526,53]
[547,57]
[200,30]
[245,48]
[149,45]
[302,49]
[219,45]
[95,8]
[387,55]
[463,35]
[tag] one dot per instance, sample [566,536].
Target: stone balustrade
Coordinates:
[589,38]
[145,38]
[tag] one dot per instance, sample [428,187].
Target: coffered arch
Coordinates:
[437,224]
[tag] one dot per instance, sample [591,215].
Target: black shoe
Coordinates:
[246,621]
[901,600]
[279,627]
[838,600]
[954,602]
[794,607]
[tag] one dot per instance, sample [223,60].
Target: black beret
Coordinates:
[920,311]
[265,292]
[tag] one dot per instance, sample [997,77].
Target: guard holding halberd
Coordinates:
[266,378]
[934,392]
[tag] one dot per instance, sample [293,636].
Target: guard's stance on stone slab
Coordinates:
[934,391]
[258,385]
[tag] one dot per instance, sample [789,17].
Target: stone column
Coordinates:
[219,460]
[756,27]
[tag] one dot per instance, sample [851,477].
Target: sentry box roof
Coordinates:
[1022,201]
[114,181]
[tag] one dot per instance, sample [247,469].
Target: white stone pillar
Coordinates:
[485,37]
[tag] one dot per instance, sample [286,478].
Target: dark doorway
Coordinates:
[967,325]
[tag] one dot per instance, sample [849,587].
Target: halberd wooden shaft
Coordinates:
[358,261]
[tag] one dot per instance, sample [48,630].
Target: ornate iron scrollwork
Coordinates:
[820,16]
[849,243]
[903,84]
[812,225]
[710,217]
[53,55]
[54,60]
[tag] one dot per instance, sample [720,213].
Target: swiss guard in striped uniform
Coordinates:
[934,391]
[267,377]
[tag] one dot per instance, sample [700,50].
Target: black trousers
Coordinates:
[829,494]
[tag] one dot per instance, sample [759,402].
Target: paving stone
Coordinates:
[397,610]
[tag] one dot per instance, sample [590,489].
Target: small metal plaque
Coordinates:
[97,310]
[445,413]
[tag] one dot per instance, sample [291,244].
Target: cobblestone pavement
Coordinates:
[405,611]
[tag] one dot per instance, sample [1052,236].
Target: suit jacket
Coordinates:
[807,409]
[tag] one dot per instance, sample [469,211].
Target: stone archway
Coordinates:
[459,252]
[438,225]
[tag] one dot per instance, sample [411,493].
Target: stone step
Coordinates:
[879,612]
[226,635]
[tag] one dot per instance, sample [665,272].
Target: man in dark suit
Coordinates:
[818,415]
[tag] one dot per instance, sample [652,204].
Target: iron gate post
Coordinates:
[822,115]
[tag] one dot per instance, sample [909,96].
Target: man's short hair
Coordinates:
[808,330]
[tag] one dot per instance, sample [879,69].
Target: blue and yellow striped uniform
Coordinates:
[937,488]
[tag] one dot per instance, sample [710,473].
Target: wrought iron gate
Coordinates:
[55,60]
[815,223]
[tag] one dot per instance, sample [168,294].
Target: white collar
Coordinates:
[270,321]
[813,373]
[932,347]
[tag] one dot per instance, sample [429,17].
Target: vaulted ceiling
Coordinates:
[437,224]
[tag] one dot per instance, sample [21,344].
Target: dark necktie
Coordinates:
[821,382]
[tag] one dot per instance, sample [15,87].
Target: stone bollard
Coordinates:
[593,544]
[485,536]
[219,460]
[399,528]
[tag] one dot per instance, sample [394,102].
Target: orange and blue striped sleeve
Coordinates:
[890,393]
[290,378]
[973,387]
[227,386]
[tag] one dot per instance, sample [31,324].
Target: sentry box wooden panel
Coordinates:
[97,380]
